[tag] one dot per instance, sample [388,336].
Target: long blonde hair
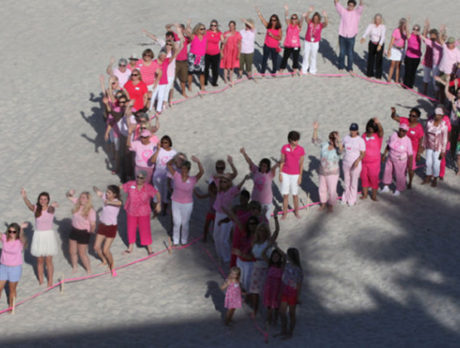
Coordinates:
[86,208]
[196,28]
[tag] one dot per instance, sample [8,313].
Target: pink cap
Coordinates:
[404,126]
[146,133]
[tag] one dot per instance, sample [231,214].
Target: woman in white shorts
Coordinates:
[44,242]
[396,49]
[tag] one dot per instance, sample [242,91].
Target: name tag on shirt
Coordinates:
[136,88]
[412,132]
[371,138]
[288,150]
[133,187]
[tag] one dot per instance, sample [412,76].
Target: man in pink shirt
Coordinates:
[291,168]
[349,21]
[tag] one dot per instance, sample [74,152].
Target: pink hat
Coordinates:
[404,126]
[146,133]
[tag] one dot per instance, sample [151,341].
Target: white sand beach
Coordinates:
[379,274]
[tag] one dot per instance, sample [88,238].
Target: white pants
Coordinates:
[309,57]
[181,218]
[246,272]
[221,237]
[433,163]
[160,93]
[268,210]
[289,184]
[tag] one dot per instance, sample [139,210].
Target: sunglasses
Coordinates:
[12,231]
[273,19]
[202,28]
[415,29]
[140,177]
[122,102]
[114,83]
[134,74]
[413,115]
[213,25]
[294,18]
[220,168]
[122,65]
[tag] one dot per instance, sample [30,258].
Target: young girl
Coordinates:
[107,229]
[233,293]
[273,283]
[44,243]
[13,243]
[83,224]
[290,290]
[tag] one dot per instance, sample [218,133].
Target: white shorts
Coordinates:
[289,184]
[396,54]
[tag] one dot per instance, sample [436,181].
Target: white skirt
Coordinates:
[44,243]
[397,54]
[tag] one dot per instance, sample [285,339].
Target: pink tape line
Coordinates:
[72,280]
[222,273]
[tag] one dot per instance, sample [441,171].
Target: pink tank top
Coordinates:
[198,48]
[314,32]
[292,36]
[271,42]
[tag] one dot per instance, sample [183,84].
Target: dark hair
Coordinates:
[351,2]
[115,190]
[38,210]
[293,136]
[416,110]
[234,23]
[169,33]
[18,233]
[148,51]
[372,125]
[255,205]
[277,25]
[316,14]
[280,261]
[252,219]
[221,162]
[267,162]
[187,164]
[434,32]
[245,193]
[167,137]
[294,256]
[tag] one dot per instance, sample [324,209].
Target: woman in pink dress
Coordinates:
[371,161]
[415,135]
[233,293]
[230,52]
[292,40]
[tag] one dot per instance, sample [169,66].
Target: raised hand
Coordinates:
[23,193]
[315,125]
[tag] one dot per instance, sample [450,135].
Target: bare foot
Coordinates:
[426,180]
[330,208]
[50,284]
[322,206]
[102,264]
[74,270]
[296,213]
[363,197]
[89,271]
[434,183]
[283,217]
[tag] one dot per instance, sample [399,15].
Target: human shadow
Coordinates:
[63,229]
[213,290]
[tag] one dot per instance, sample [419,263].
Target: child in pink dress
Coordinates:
[233,293]
[273,284]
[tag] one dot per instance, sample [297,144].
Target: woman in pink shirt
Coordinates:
[138,210]
[396,49]
[148,69]
[44,242]
[435,144]
[272,41]
[107,229]
[400,153]
[413,54]
[196,55]
[355,149]
[212,58]
[137,91]
[415,135]
[312,39]
[371,160]
[292,40]
[13,243]
[262,176]
[83,225]
[144,150]
[432,57]
[230,53]
[182,198]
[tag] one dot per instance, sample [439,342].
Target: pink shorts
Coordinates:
[289,295]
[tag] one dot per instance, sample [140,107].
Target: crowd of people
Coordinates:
[156,177]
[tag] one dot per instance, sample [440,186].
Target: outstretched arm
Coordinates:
[379,125]
[247,158]
[26,200]
[200,167]
[286,15]
[394,115]
[262,19]
[109,69]
[326,19]
[234,173]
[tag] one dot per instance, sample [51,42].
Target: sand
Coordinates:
[377,274]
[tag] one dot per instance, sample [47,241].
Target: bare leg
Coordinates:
[229,316]
[374,195]
[398,68]
[149,249]
[202,82]
[296,205]
[2,286]
[285,205]
[411,176]
[97,248]
[49,269]
[282,312]
[83,253]
[190,80]
[182,88]
[365,192]
[73,254]
[427,179]
[12,287]
[226,76]
[170,96]
[292,320]
[390,72]
[108,255]
[40,269]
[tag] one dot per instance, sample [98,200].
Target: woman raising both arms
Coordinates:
[44,243]
[292,40]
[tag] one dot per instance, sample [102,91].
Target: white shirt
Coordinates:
[375,33]
[123,77]
[247,41]
[123,125]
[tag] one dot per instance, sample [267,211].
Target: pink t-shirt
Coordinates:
[148,72]
[225,198]
[399,39]
[349,20]
[183,191]
[143,153]
[45,221]
[138,201]
[80,222]
[123,77]
[414,46]
[292,38]
[292,159]
[449,59]
[136,92]
[433,53]
[182,55]
[198,47]
[400,148]
[11,252]
[164,71]
[109,213]
[213,38]
[270,41]
[415,134]
[314,32]
[113,123]
[262,191]
[373,148]
[247,40]
[162,159]
[353,148]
